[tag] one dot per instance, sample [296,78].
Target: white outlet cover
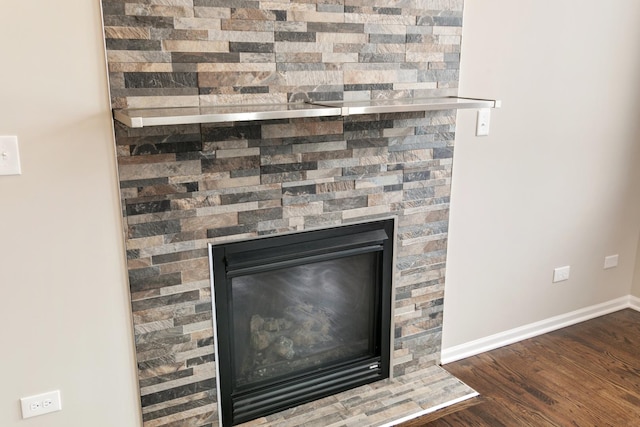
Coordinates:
[611,261]
[561,274]
[41,404]
[9,156]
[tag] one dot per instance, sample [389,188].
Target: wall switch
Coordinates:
[482,123]
[561,274]
[41,404]
[9,156]
[611,261]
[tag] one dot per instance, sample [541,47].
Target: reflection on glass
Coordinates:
[302,317]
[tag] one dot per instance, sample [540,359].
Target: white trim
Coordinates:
[430,410]
[511,336]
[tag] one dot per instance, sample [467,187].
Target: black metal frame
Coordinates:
[241,404]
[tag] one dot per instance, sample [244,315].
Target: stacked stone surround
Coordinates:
[186,186]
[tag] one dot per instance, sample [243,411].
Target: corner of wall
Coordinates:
[635,286]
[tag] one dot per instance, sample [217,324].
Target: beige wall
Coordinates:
[65,317]
[556,182]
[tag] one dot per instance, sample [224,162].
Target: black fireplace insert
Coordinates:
[301,316]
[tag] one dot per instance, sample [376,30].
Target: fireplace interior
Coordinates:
[301,316]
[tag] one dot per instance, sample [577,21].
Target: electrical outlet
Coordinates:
[561,274]
[41,404]
[610,261]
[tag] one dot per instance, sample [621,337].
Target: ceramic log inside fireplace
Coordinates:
[301,316]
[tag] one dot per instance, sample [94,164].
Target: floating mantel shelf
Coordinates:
[409,104]
[137,118]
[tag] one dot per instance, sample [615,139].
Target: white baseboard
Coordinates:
[501,339]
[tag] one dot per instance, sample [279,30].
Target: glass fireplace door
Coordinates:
[298,319]
[301,316]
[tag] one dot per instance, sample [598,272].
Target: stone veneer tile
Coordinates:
[375,405]
[345,200]
[184,187]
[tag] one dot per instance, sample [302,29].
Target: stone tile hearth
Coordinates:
[384,403]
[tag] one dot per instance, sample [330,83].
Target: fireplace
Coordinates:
[301,316]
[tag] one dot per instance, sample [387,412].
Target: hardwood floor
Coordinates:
[583,375]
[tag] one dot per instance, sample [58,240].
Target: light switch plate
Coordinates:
[483,122]
[9,156]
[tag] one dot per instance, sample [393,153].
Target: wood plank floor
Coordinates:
[583,375]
